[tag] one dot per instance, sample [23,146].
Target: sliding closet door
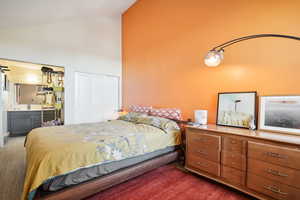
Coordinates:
[96,97]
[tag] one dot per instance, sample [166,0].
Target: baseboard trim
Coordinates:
[5,139]
[1,141]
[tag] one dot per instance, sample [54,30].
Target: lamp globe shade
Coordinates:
[213,58]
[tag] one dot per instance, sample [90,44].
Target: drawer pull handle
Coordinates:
[202,152]
[276,155]
[202,164]
[276,173]
[275,190]
[233,142]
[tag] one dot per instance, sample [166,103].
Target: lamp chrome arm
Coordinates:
[215,55]
[231,42]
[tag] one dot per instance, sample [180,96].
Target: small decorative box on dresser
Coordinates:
[265,165]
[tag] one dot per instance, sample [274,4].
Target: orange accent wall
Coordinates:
[165,41]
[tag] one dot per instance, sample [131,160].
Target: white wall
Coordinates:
[86,44]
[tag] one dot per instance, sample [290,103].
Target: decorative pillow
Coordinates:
[170,113]
[140,109]
[132,117]
[166,125]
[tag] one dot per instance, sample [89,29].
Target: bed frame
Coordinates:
[97,185]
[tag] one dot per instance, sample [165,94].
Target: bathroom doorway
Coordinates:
[31,96]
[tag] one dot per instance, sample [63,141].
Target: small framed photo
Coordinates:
[237,109]
[280,114]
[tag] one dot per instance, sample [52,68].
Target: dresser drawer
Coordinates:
[274,172]
[207,152]
[283,156]
[234,145]
[200,138]
[204,165]
[276,190]
[234,160]
[233,176]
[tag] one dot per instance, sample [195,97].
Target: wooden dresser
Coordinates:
[263,164]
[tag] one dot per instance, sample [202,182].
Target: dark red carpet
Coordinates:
[169,183]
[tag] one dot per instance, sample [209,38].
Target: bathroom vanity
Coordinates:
[21,122]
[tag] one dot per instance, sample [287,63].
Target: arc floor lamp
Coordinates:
[216,54]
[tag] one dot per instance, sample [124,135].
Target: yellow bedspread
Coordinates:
[54,151]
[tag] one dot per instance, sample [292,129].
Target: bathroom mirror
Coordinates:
[29,94]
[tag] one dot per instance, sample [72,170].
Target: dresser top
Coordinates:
[265,135]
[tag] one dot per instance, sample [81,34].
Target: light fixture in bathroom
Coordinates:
[32,78]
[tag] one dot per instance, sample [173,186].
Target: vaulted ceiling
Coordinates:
[15,13]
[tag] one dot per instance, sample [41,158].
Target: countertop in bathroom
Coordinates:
[41,109]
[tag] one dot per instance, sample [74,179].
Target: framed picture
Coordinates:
[237,109]
[280,113]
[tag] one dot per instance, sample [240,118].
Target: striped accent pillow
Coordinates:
[169,113]
[140,109]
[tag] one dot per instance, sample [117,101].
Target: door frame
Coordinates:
[66,84]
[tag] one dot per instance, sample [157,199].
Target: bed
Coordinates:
[76,161]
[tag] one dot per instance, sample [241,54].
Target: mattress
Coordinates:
[53,152]
[86,174]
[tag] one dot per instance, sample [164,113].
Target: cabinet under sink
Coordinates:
[22,122]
